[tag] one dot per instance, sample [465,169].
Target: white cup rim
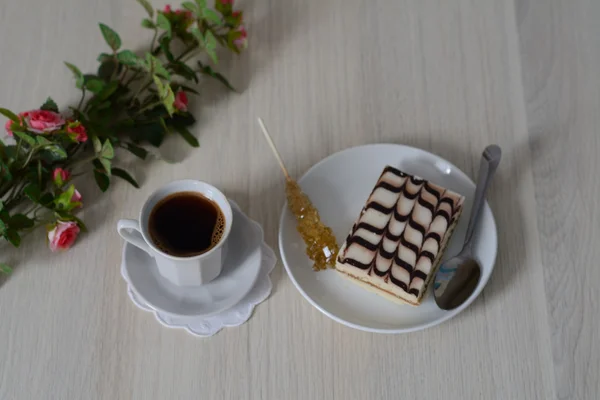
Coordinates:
[192,184]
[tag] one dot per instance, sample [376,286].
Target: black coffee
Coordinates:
[186,224]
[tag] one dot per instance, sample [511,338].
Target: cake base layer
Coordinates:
[375,289]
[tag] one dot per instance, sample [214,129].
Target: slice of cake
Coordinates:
[397,243]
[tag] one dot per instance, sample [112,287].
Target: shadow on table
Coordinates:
[504,199]
[267,217]
[269,26]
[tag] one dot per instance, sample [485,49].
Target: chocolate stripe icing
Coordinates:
[422,203]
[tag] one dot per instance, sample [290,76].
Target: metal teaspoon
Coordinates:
[457,278]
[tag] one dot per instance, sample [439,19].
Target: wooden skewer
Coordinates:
[272,145]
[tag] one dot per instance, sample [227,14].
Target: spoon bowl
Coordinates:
[465,273]
[457,278]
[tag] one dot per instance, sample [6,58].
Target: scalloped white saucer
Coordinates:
[235,316]
[242,266]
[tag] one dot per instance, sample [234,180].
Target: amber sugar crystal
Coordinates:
[321,245]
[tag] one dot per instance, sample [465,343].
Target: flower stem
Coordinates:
[18,147]
[149,106]
[153,39]
[140,90]
[82,161]
[82,98]
[187,52]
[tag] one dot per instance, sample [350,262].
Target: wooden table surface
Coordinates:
[446,76]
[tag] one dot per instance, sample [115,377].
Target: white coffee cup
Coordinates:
[182,271]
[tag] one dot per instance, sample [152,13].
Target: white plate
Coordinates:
[241,266]
[339,186]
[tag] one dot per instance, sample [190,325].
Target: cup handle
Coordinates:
[129,229]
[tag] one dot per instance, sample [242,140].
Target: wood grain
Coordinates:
[560,54]
[448,77]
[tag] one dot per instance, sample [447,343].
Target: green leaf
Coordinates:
[166,94]
[187,135]
[97,144]
[106,92]
[20,221]
[2,227]
[210,46]
[147,6]
[42,141]
[4,217]
[32,191]
[65,216]
[106,165]
[13,237]
[212,16]
[9,114]
[152,133]
[79,223]
[146,23]
[63,201]
[165,47]
[207,70]
[102,180]
[103,57]
[201,4]
[94,85]
[47,199]
[198,35]
[188,5]
[137,150]
[77,73]
[121,173]
[156,67]
[5,174]
[111,37]
[162,123]
[176,87]
[107,150]
[49,105]
[57,152]
[163,23]
[128,57]
[5,269]
[184,119]
[25,137]
[102,106]
[107,68]
[182,69]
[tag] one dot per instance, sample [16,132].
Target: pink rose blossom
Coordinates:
[167,9]
[7,127]
[63,235]
[181,101]
[76,197]
[60,176]
[8,124]
[241,42]
[41,121]
[186,13]
[76,128]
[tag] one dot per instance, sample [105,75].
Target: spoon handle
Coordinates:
[489,162]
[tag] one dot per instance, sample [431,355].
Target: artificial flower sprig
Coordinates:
[135,99]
